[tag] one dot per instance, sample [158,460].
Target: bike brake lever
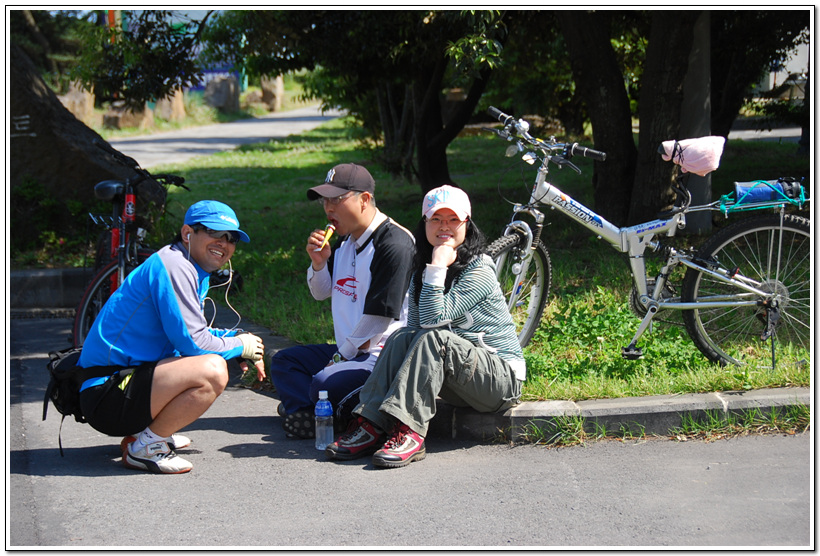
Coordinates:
[503,133]
[179,181]
[561,162]
[170,179]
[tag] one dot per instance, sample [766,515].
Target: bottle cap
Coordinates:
[322,394]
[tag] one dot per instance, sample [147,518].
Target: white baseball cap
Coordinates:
[449,197]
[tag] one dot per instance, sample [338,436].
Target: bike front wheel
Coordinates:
[777,255]
[99,289]
[526,294]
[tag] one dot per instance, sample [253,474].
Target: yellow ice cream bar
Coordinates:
[328,233]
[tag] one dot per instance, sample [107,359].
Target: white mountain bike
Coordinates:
[745,291]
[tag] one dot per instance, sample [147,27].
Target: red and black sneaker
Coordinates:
[403,447]
[361,439]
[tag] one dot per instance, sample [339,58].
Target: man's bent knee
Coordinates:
[214,369]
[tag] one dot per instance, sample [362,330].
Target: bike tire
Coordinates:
[96,294]
[532,292]
[102,250]
[778,257]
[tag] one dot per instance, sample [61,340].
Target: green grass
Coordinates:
[716,426]
[576,352]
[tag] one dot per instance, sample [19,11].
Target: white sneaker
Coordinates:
[158,457]
[178,442]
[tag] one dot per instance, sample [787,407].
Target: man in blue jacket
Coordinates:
[167,366]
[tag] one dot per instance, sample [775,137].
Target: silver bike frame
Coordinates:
[632,240]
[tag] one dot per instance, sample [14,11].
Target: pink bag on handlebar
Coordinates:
[699,156]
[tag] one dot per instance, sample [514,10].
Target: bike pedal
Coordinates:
[631,354]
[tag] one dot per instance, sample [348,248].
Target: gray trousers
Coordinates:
[418,364]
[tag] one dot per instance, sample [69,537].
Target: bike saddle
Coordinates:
[108,190]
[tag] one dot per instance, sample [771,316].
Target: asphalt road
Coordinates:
[252,487]
[181,145]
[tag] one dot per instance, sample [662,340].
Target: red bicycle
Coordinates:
[121,247]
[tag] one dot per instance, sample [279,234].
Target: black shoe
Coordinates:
[300,425]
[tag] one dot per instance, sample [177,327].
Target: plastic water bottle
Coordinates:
[324,421]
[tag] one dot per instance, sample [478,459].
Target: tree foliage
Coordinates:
[536,75]
[745,45]
[396,72]
[51,40]
[662,39]
[390,69]
[147,59]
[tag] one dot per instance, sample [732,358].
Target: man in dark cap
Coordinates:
[366,274]
[164,366]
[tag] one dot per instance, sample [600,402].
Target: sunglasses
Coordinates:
[227,235]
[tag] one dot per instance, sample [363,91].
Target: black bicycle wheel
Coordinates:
[778,256]
[526,298]
[102,250]
[99,289]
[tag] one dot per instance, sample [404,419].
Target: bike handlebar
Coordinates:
[576,149]
[499,115]
[568,150]
[170,178]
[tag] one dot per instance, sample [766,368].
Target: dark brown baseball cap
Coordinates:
[341,179]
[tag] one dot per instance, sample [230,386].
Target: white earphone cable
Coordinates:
[227,286]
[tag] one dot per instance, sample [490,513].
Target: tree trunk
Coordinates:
[600,81]
[572,116]
[431,162]
[667,55]
[432,133]
[396,117]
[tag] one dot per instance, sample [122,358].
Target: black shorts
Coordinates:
[122,404]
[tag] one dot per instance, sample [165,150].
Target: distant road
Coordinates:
[172,147]
[783,134]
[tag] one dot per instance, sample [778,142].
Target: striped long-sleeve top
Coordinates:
[474,308]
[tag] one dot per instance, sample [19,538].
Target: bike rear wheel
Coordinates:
[526,296]
[778,255]
[99,289]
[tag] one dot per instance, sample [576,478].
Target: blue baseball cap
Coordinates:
[216,216]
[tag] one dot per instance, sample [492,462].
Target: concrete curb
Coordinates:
[651,415]
[47,287]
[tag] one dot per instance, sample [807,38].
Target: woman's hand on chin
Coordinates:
[443,255]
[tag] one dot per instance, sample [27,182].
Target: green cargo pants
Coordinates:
[418,364]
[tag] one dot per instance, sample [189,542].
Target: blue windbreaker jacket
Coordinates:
[157,313]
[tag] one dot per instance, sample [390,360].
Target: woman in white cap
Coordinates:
[460,342]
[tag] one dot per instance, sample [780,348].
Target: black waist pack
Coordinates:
[66,378]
